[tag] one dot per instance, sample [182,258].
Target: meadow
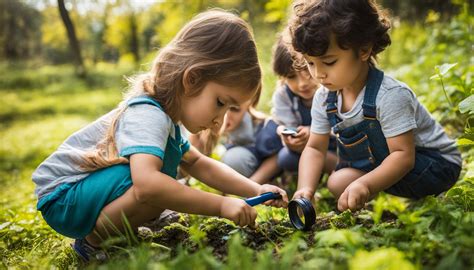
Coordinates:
[41,105]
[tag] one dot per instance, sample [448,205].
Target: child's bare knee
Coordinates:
[334,186]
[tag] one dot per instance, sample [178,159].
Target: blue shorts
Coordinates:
[432,175]
[72,209]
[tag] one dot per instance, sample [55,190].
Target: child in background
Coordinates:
[248,138]
[250,142]
[386,140]
[292,107]
[257,152]
[206,140]
[125,163]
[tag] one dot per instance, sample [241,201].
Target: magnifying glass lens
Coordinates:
[300,213]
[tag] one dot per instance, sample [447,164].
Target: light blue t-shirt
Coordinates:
[142,128]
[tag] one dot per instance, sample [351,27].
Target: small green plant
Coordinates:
[466,106]
[343,220]
[440,72]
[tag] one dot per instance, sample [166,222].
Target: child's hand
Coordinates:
[297,142]
[283,202]
[303,193]
[303,133]
[238,211]
[354,197]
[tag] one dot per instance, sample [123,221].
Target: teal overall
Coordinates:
[363,146]
[72,209]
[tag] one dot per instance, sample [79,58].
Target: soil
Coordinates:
[271,233]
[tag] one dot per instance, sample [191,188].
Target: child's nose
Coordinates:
[321,76]
[319,72]
[303,83]
[218,120]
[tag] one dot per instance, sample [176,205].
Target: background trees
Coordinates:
[115,30]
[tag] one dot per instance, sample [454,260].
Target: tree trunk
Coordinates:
[73,42]
[134,44]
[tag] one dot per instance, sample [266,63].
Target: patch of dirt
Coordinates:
[273,232]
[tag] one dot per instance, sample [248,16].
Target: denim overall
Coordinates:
[287,159]
[363,146]
[304,111]
[267,141]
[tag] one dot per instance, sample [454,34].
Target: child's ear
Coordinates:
[190,80]
[365,52]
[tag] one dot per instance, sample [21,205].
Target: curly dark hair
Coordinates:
[356,24]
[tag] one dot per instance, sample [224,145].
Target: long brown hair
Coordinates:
[214,46]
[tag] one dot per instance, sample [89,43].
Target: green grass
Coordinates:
[41,106]
[38,110]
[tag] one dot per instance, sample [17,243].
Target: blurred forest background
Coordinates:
[120,31]
[62,64]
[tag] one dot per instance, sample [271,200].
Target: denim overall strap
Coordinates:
[374,81]
[372,127]
[363,146]
[292,96]
[297,106]
[305,113]
[331,109]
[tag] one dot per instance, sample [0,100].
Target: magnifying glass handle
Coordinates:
[263,198]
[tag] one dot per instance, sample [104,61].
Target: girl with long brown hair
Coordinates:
[124,164]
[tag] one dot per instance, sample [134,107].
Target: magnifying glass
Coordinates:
[302,214]
[301,211]
[263,198]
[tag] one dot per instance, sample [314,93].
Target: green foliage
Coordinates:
[240,257]
[466,106]
[19,34]
[343,239]
[387,258]
[343,220]
[440,72]
[277,10]
[201,259]
[383,202]
[54,38]
[416,52]
[41,105]
[462,194]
